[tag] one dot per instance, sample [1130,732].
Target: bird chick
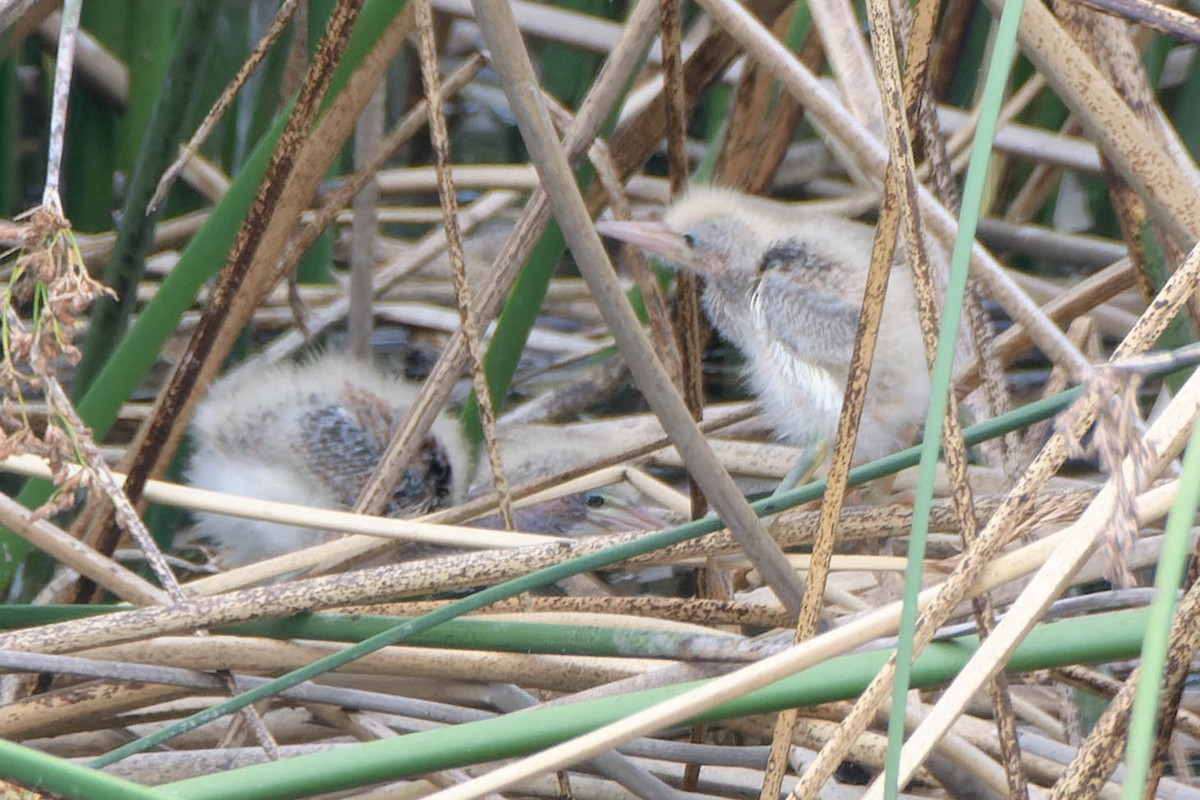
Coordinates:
[311,433]
[786,286]
[532,451]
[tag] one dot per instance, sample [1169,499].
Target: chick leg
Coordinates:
[805,467]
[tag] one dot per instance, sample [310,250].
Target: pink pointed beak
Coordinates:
[655,238]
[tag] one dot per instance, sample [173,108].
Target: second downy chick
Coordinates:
[311,433]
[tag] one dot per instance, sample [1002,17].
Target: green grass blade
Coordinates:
[37,770]
[534,580]
[164,132]
[989,111]
[1102,637]
[1167,579]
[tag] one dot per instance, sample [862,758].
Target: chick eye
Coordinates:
[689,240]
[595,500]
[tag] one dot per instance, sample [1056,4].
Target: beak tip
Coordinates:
[611,228]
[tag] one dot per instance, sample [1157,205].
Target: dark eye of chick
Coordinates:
[595,500]
[689,240]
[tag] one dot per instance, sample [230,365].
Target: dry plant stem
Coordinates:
[961,767]
[520,177]
[996,400]
[512,63]
[1095,32]
[605,90]
[169,234]
[202,355]
[639,135]
[633,258]
[123,510]
[193,499]
[1163,442]
[1082,331]
[734,163]
[882,254]
[677,609]
[364,229]
[812,732]
[689,322]
[557,673]
[28,718]
[1108,43]
[871,157]
[1097,682]
[958,145]
[469,323]
[1168,186]
[770,669]
[412,260]
[674,96]
[1042,181]
[80,706]
[1175,680]
[841,33]
[70,552]
[1104,746]
[919,102]
[1085,295]
[915,90]
[386,583]
[1007,518]
[839,470]
[901,183]
[757,135]
[616,766]
[12,16]
[1111,45]
[95,67]
[343,195]
[64,63]
[282,17]
[1173,22]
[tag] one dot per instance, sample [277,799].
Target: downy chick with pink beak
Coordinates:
[786,286]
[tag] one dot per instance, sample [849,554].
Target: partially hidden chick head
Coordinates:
[709,231]
[533,451]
